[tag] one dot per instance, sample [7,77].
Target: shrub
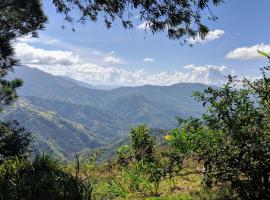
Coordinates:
[43,178]
[142,143]
[232,137]
[14,141]
[124,155]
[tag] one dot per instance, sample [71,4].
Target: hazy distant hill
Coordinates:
[40,84]
[80,83]
[87,85]
[67,116]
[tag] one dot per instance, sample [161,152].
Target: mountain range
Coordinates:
[67,116]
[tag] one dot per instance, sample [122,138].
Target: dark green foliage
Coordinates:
[243,156]
[7,92]
[124,155]
[142,143]
[41,179]
[21,17]
[172,165]
[180,19]
[232,137]
[154,172]
[17,18]
[14,141]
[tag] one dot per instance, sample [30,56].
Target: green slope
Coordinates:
[67,118]
[102,122]
[53,133]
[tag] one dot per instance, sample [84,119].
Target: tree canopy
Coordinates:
[180,19]
[17,18]
[232,137]
[14,141]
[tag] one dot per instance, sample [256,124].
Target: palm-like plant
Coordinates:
[43,178]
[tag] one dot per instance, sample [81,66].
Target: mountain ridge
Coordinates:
[59,111]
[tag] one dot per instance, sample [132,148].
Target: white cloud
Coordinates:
[147,60]
[110,58]
[248,53]
[143,26]
[69,64]
[42,40]
[37,56]
[102,70]
[208,74]
[92,55]
[96,74]
[211,36]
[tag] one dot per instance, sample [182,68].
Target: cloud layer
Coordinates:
[248,53]
[67,63]
[211,36]
[90,73]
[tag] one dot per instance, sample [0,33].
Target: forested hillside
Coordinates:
[66,117]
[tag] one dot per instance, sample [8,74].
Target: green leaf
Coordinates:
[263,54]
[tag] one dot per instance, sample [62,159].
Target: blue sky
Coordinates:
[134,57]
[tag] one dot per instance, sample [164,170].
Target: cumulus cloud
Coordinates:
[67,63]
[31,55]
[208,74]
[248,53]
[211,36]
[147,60]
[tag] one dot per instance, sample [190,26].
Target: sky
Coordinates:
[96,55]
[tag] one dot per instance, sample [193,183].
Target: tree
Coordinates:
[17,18]
[232,138]
[181,19]
[243,158]
[142,143]
[14,141]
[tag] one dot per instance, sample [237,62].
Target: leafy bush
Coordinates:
[124,155]
[142,143]
[14,141]
[43,178]
[232,137]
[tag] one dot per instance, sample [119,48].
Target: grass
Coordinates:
[111,184]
